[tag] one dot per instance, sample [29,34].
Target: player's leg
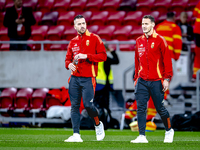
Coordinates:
[158,98]
[88,89]
[75,98]
[142,97]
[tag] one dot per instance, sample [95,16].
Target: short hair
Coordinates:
[149,17]
[170,14]
[78,17]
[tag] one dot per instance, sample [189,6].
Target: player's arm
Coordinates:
[136,63]
[177,42]
[69,57]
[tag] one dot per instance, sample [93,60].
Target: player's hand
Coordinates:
[165,85]
[20,21]
[72,67]
[80,56]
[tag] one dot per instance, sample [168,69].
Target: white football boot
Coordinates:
[100,134]
[74,138]
[140,139]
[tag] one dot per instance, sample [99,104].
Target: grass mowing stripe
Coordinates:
[42,139]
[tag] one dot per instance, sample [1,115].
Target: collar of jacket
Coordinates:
[153,35]
[87,33]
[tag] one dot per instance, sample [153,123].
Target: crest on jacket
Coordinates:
[87,42]
[152,45]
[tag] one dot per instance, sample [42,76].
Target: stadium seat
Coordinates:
[110,5]
[77,5]
[136,32]
[162,6]
[7,98]
[86,14]
[99,18]
[61,5]
[52,101]
[4,34]
[191,4]
[116,18]
[145,5]
[30,3]
[93,28]
[127,47]
[22,101]
[69,33]
[122,33]
[133,18]
[38,17]
[50,18]
[39,32]
[156,15]
[106,32]
[128,5]
[9,3]
[2,5]
[58,47]
[179,5]
[1,18]
[38,98]
[66,18]
[55,32]
[4,47]
[94,5]
[45,5]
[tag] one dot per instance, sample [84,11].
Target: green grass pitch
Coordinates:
[53,139]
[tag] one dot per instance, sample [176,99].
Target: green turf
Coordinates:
[52,139]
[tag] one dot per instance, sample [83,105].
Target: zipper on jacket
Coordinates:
[147,57]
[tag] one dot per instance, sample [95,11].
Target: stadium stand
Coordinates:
[2,5]
[93,28]
[136,32]
[99,18]
[77,5]
[122,33]
[52,101]
[66,18]
[61,5]
[9,3]
[127,5]
[110,5]
[69,33]
[55,32]
[116,18]
[179,5]
[38,17]
[192,4]
[145,5]
[162,6]
[86,14]
[1,18]
[30,3]
[106,32]
[94,5]
[133,18]
[50,18]
[4,34]
[127,47]
[45,5]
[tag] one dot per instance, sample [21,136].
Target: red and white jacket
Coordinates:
[152,58]
[90,44]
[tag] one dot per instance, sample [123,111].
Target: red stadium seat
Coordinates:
[116,18]
[4,47]
[99,18]
[69,33]
[179,5]
[136,32]
[55,32]
[110,5]
[7,98]
[66,18]
[127,47]
[145,5]
[93,28]
[38,98]
[9,3]
[106,32]
[39,32]
[156,15]
[38,16]
[61,5]
[4,34]
[77,5]
[30,3]
[122,33]
[45,5]
[2,5]
[162,6]
[86,14]
[22,101]
[94,5]
[191,4]
[58,47]
[50,18]
[128,5]
[133,18]
[53,101]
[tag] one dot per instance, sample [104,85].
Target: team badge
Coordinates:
[152,45]
[87,42]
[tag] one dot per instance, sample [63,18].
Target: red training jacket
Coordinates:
[196,13]
[90,44]
[152,58]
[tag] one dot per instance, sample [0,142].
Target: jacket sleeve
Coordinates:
[136,63]
[69,56]
[196,10]
[9,20]
[167,61]
[29,20]
[100,51]
[177,42]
